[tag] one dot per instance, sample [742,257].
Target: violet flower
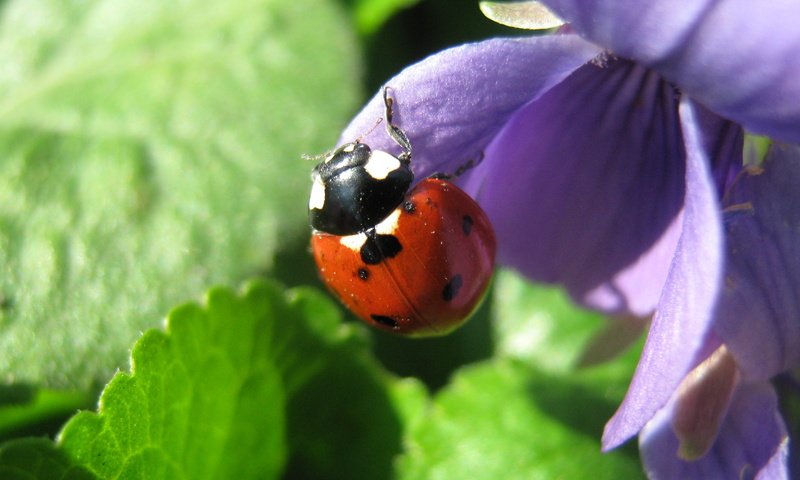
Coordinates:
[606,158]
[758,319]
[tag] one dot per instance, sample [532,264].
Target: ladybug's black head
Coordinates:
[355,188]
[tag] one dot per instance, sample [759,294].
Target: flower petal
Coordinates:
[752,442]
[584,187]
[530,15]
[759,314]
[453,103]
[723,142]
[737,57]
[681,323]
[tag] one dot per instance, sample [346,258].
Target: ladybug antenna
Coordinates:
[316,157]
[373,127]
[398,135]
[320,156]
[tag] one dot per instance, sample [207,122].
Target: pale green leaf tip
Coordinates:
[755,149]
[528,15]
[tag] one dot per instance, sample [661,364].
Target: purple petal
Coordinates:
[723,142]
[453,103]
[737,57]
[759,314]
[585,185]
[752,442]
[683,316]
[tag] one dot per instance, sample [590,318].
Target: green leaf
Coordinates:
[541,325]
[508,420]
[433,360]
[532,411]
[42,412]
[245,387]
[204,398]
[38,458]
[346,421]
[149,149]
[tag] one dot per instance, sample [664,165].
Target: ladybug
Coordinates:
[410,260]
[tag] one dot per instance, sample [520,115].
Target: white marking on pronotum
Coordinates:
[353,242]
[317,198]
[381,164]
[389,225]
[346,149]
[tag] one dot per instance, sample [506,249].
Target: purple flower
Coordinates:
[758,319]
[606,159]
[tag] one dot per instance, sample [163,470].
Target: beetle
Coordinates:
[410,259]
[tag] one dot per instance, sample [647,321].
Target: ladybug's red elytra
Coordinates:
[410,260]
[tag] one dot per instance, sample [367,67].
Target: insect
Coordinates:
[410,260]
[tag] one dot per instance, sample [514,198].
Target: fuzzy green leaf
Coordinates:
[149,149]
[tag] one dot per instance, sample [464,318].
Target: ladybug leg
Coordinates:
[469,165]
[397,134]
[461,170]
[441,176]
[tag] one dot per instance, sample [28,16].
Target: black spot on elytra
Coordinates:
[451,289]
[466,224]
[363,274]
[379,247]
[409,207]
[384,320]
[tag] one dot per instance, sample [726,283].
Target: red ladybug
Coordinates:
[414,261]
